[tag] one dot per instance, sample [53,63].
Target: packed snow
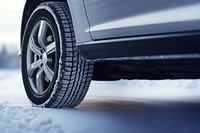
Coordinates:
[109,107]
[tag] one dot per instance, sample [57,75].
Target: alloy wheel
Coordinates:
[41,55]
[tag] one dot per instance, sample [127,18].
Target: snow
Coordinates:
[16,119]
[104,109]
[148,89]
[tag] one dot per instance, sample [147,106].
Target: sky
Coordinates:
[10,21]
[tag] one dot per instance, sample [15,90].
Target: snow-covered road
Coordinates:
[110,107]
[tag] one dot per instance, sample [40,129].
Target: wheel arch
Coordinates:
[77,11]
[29,7]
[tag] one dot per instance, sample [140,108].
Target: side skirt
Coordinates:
[166,46]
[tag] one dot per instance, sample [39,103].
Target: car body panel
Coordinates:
[116,18]
[80,21]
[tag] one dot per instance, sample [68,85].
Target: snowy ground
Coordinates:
[110,107]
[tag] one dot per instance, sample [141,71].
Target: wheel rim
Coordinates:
[41,56]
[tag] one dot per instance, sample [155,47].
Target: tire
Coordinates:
[54,74]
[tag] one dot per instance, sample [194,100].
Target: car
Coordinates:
[67,43]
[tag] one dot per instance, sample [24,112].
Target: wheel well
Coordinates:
[29,8]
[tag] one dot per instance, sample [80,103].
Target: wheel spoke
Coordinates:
[51,48]
[49,73]
[42,34]
[34,47]
[39,81]
[33,68]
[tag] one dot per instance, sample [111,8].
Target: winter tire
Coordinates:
[54,74]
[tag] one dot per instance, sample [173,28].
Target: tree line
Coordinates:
[8,59]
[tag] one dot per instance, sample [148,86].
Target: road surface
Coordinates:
[109,107]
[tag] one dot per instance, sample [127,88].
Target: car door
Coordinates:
[127,18]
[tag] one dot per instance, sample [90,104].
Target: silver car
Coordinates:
[67,43]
